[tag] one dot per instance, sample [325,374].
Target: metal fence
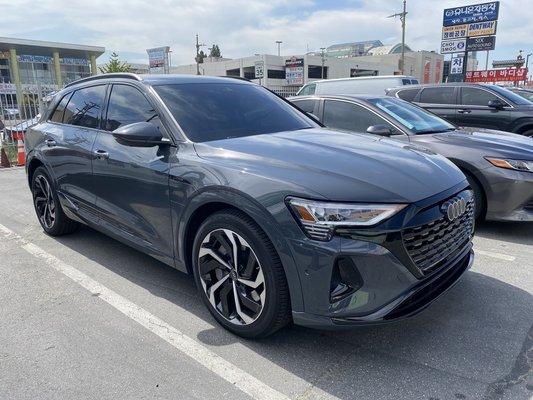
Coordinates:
[285,91]
[20,108]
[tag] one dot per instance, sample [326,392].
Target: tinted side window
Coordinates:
[350,117]
[308,90]
[84,107]
[438,95]
[408,94]
[127,105]
[476,97]
[57,115]
[306,105]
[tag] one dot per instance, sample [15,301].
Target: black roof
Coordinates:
[167,79]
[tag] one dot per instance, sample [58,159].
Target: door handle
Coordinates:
[463,111]
[101,154]
[50,142]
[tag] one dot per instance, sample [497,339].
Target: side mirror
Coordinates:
[497,104]
[380,130]
[139,134]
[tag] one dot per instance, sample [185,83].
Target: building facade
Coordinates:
[29,68]
[287,74]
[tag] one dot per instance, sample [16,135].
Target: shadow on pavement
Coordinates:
[513,232]
[475,336]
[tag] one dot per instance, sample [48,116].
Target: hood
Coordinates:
[491,142]
[339,166]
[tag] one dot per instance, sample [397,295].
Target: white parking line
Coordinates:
[201,354]
[492,254]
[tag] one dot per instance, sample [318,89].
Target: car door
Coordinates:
[345,115]
[132,183]
[69,138]
[440,100]
[473,109]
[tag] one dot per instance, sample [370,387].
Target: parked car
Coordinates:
[525,93]
[361,85]
[498,165]
[475,105]
[10,112]
[276,217]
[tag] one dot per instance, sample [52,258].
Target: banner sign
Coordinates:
[158,60]
[453,46]
[481,43]
[497,75]
[259,68]
[469,14]
[34,59]
[454,32]
[294,71]
[438,70]
[456,65]
[481,29]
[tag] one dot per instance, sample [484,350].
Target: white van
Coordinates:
[364,85]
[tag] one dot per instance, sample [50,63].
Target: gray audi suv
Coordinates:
[277,218]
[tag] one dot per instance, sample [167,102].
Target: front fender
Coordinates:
[267,217]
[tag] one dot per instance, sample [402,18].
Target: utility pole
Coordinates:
[322,70]
[279,42]
[402,16]
[198,45]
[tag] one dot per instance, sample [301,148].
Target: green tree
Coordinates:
[215,51]
[200,57]
[115,65]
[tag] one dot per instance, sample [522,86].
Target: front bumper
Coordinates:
[509,194]
[390,283]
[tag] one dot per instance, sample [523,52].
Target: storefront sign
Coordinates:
[454,32]
[158,60]
[481,43]
[469,14]
[34,59]
[74,61]
[294,71]
[456,65]
[452,46]
[481,28]
[497,75]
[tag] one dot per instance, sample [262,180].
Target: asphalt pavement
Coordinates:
[86,317]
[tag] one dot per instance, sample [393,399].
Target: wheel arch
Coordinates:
[472,172]
[210,201]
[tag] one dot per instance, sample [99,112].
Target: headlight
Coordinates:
[519,165]
[319,219]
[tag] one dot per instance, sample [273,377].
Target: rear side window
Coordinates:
[476,97]
[307,90]
[57,115]
[306,105]
[350,117]
[127,105]
[406,81]
[85,106]
[408,94]
[438,95]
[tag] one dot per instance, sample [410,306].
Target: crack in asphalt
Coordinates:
[522,368]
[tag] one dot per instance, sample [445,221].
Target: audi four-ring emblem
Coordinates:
[454,208]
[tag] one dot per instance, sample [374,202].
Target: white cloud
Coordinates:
[244,27]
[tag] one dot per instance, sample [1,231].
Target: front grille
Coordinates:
[431,244]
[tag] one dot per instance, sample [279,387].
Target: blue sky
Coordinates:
[245,27]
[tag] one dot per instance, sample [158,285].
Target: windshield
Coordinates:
[412,117]
[215,111]
[513,97]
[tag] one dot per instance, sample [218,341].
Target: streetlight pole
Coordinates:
[198,45]
[279,42]
[322,54]
[402,16]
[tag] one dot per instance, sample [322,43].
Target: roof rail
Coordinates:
[105,76]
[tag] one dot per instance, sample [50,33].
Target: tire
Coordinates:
[528,133]
[479,198]
[253,299]
[47,207]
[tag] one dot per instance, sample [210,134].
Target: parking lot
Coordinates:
[84,316]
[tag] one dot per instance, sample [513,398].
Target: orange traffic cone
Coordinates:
[21,156]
